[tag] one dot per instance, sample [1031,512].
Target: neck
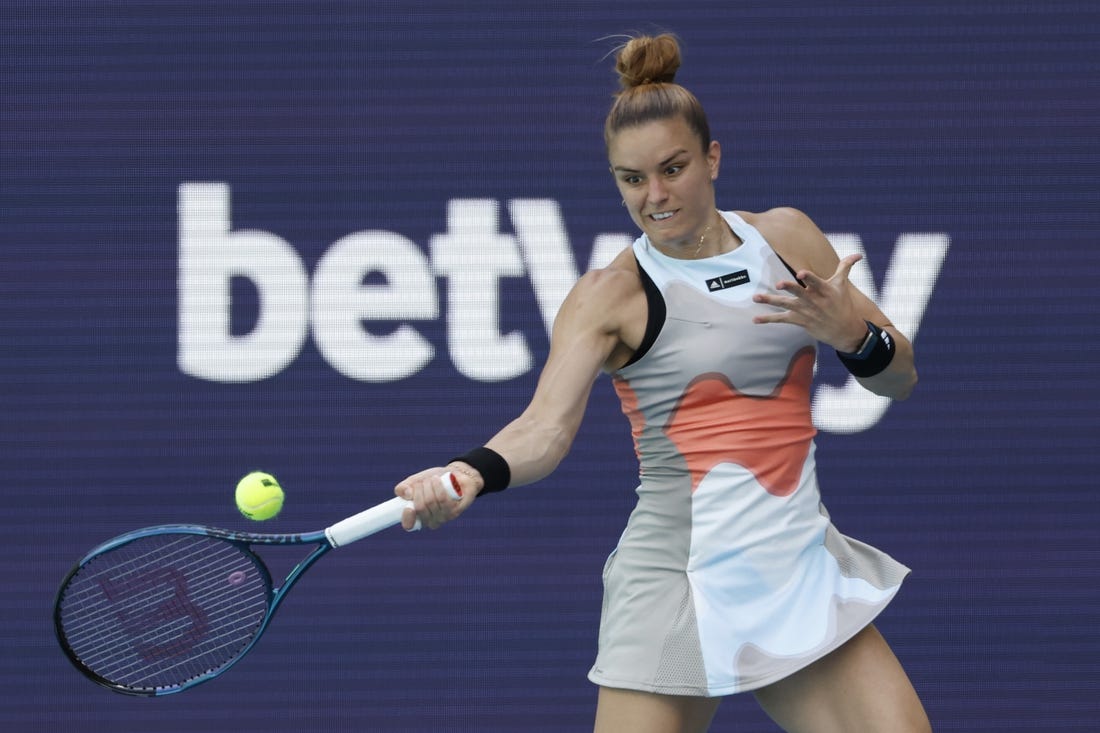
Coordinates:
[715,238]
[711,240]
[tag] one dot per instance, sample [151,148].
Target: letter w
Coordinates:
[906,289]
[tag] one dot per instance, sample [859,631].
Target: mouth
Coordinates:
[662,215]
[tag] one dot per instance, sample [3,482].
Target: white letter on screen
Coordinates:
[341,302]
[210,256]
[473,256]
[906,289]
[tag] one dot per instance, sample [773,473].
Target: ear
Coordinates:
[714,158]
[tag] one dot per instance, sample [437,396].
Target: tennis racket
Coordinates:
[162,609]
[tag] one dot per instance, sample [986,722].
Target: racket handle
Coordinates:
[380,517]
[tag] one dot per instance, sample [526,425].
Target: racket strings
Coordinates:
[163,609]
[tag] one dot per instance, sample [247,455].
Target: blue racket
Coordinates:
[162,609]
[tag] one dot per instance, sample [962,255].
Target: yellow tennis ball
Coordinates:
[259,496]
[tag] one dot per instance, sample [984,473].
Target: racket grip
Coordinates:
[381,517]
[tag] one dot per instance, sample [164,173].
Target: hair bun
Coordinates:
[648,60]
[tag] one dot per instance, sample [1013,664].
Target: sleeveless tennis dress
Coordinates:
[729,575]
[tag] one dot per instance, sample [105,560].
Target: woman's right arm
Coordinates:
[586,333]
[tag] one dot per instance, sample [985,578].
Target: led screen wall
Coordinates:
[328,240]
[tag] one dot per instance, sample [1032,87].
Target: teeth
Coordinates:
[662,216]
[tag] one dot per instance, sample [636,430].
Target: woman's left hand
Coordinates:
[824,307]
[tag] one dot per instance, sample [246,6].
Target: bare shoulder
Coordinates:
[609,286]
[795,237]
[782,219]
[606,310]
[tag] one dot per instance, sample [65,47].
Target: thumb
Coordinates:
[408,519]
[845,266]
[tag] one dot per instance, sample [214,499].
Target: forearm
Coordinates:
[530,448]
[585,333]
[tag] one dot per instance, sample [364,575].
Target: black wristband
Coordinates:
[873,357]
[491,465]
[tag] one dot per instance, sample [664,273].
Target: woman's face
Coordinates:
[666,180]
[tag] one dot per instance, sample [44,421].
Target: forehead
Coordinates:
[651,143]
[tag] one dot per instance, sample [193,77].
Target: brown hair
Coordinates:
[647,68]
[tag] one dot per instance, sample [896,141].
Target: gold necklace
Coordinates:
[702,236]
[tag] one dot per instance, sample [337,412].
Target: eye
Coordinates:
[632,179]
[673,169]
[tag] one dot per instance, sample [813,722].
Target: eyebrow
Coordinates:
[666,161]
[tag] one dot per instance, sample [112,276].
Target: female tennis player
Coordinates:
[729,576]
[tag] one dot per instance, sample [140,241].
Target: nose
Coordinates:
[656,193]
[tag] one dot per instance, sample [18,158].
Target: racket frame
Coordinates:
[342,533]
[244,541]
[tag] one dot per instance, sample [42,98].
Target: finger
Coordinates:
[425,501]
[773,318]
[406,488]
[846,264]
[408,517]
[438,503]
[810,280]
[779,301]
[790,286]
[412,490]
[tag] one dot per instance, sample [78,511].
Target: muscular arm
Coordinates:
[828,306]
[587,331]
[592,331]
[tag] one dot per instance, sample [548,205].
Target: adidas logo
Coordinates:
[730,280]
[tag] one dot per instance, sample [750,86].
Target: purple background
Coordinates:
[978,120]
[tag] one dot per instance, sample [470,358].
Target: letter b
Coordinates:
[210,256]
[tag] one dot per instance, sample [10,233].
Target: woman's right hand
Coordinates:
[433,504]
